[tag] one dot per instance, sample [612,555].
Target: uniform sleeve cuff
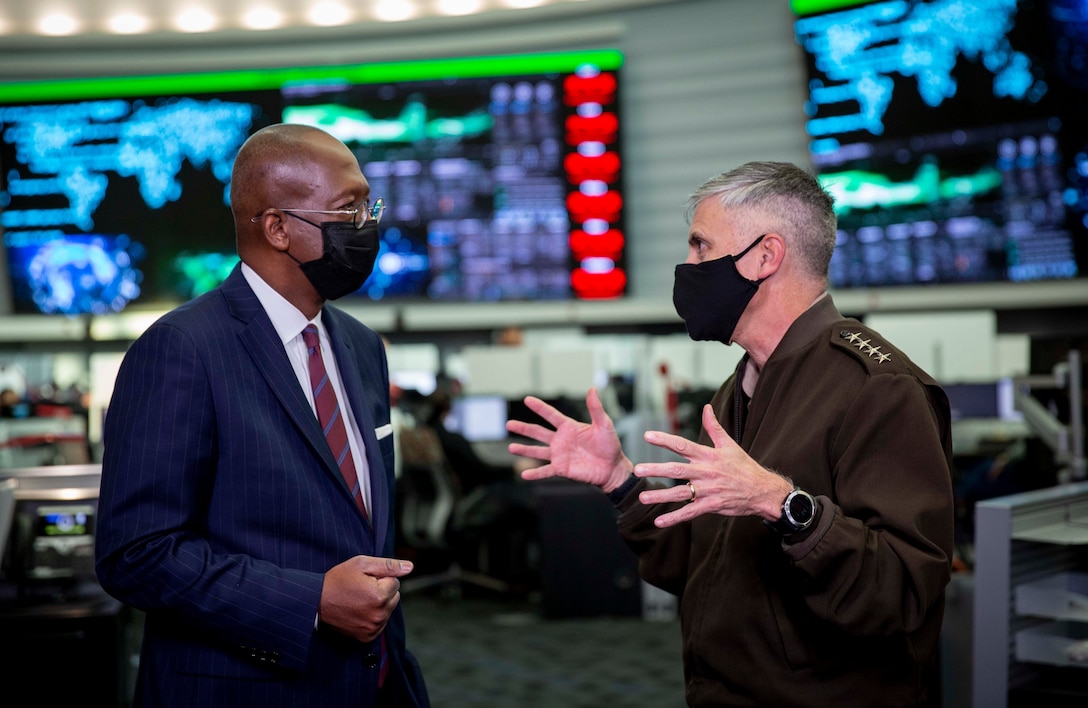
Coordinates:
[620,493]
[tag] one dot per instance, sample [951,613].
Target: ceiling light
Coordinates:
[329,14]
[395,10]
[127,23]
[459,7]
[196,20]
[263,18]
[58,24]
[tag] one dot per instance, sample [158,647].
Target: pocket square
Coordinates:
[383,431]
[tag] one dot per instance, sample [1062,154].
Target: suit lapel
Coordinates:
[263,344]
[351,375]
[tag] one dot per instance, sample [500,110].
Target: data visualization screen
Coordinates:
[952,135]
[110,201]
[501,175]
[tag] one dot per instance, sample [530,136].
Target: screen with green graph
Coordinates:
[502,177]
[952,135]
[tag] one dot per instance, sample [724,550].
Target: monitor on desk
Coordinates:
[973,400]
[991,400]
[51,526]
[479,418]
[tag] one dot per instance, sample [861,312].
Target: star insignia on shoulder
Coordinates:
[858,340]
[849,336]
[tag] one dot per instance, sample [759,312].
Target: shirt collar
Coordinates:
[286,318]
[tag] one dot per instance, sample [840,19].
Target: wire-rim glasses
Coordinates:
[359,215]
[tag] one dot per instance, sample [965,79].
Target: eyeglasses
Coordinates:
[359,215]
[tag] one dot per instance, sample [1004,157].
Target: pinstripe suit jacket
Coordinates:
[221,509]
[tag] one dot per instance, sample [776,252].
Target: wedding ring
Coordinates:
[692,488]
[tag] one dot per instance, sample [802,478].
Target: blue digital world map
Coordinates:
[860,51]
[67,156]
[951,134]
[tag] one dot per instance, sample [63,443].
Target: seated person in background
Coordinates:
[495,501]
[471,470]
[1024,465]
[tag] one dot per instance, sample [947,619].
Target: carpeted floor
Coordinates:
[490,652]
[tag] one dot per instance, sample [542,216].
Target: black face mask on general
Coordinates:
[346,261]
[711,296]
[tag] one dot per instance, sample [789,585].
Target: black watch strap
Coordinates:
[798,513]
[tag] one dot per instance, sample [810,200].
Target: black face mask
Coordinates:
[711,296]
[347,259]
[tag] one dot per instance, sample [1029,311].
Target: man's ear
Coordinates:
[274,229]
[772,252]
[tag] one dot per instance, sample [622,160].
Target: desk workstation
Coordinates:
[55,619]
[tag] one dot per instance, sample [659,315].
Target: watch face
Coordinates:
[801,509]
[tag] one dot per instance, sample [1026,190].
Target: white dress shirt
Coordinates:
[289,323]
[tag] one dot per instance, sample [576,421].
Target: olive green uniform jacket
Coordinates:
[848,612]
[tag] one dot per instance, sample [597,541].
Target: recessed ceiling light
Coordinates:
[329,14]
[459,7]
[262,18]
[195,19]
[127,23]
[395,10]
[58,24]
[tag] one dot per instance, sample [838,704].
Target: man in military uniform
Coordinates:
[809,532]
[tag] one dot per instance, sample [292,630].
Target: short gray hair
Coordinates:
[783,198]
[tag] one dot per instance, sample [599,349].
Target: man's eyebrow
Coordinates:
[351,195]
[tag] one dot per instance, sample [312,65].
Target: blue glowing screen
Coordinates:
[953,137]
[107,202]
[499,187]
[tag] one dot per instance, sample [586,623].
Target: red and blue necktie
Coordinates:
[336,434]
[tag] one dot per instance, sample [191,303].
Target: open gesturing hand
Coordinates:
[584,452]
[725,478]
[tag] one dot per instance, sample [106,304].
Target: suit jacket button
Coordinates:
[371,660]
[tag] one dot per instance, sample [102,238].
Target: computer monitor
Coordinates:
[993,400]
[478,418]
[972,400]
[51,532]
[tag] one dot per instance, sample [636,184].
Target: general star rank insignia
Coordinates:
[858,340]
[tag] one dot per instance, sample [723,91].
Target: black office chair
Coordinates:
[432,518]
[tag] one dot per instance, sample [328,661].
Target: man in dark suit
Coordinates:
[261,557]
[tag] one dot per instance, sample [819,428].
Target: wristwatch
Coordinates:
[798,513]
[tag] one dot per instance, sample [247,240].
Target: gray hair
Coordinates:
[779,197]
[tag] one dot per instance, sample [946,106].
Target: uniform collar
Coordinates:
[808,326]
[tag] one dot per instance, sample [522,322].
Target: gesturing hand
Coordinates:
[726,480]
[584,452]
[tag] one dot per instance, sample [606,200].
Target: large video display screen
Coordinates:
[953,136]
[502,178]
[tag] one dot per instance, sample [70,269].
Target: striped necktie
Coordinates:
[328,414]
[336,434]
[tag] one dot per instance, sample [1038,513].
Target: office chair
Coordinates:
[430,522]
